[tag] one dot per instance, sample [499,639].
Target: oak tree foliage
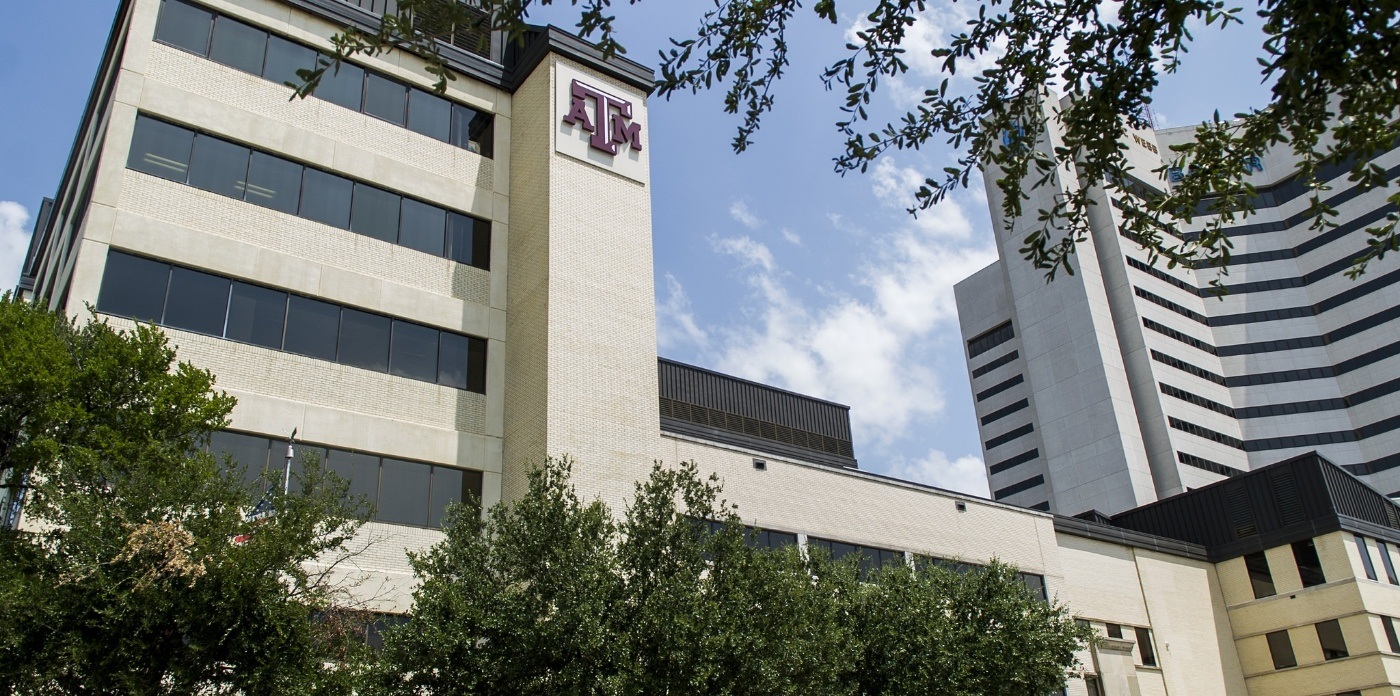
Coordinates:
[123,574]
[1332,65]
[551,595]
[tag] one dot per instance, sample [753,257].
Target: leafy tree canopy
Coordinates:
[1335,90]
[550,595]
[123,575]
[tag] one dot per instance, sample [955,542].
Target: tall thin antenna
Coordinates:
[287,472]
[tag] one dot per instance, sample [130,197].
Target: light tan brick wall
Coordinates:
[1195,646]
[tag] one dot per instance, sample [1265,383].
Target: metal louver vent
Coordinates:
[1286,498]
[734,422]
[1392,516]
[473,36]
[1241,514]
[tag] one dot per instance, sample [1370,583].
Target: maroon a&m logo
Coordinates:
[611,124]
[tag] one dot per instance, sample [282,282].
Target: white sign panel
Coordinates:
[597,125]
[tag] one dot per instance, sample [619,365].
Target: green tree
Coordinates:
[548,595]
[124,575]
[1332,66]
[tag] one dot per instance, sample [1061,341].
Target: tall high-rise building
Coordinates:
[1129,382]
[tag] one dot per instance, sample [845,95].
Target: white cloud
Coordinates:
[864,348]
[932,29]
[675,322]
[750,252]
[966,474]
[739,210]
[14,242]
[791,237]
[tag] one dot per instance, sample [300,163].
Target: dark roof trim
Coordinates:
[757,444]
[760,385]
[518,61]
[1127,537]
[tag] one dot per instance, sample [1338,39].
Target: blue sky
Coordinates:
[768,264]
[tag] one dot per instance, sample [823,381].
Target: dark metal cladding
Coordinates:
[706,404]
[1293,500]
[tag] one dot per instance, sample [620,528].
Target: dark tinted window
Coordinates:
[385,98]
[256,315]
[1390,635]
[161,149]
[343,86]
[422,227]
[1366,563]
[184,26]
[133,287]
[361,470]
[1383,550]
[1114,630]
[414,352]
[1329,634]
[1259,576]
[274,183]
[403,492]
[1281,648]
[238,45]
[326,198]
[469,240]
[285,58]
[476,365]
[453,360]
[471,130]
[376,213]
[1309,566]
[429,114]
[1144,646]
[219,166]
[451,486]
[196,302]
[312,327]
[247,451]
[364,340]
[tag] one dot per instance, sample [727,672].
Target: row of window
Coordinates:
[1164,276]
[1188,368]
[1281,192]
[1013,462]
[989,339]
[1329,636]
[1009,435]
[230,42]
[217,165]
[1003,360]
[1146,651]
[1169,229]
[399,491]
[1261,579]
[1173,334]
[1318,241]
[1383,550]
[1168,304]
[1380,318]
[182,298]
[1001,413]
[1207,465]
[1018,487]
[1316,439]
[1000,387]
[1196,399]
[1206,433]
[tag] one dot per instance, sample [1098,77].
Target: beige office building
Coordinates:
[436,291]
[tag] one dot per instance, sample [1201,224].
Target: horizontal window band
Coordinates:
[1188,368]
[1195,399]
[193,300]
[1001,413]
[1205,433]
[1021,487]
[1380,427]
[1207,465]
[1359,222]
[399,491]
[1355,399]
[254,50]
[990,339]
[211,163]
[1043,506]
[1178,336]
[1293,187]
[1000,387]
[1168,304]
[1008,436]
[1013,462]
[1003,360]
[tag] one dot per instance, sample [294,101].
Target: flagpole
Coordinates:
[287,472]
